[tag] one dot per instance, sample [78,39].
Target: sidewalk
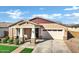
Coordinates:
[20,48]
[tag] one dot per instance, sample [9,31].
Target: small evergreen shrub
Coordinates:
[5,40]
[10,41]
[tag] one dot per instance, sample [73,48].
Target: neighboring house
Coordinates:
[73,27]
[4,29]
[37,28]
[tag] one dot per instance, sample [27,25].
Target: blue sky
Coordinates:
[64,14]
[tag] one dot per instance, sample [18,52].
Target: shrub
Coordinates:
[7,37]
[5,40]
[10,41]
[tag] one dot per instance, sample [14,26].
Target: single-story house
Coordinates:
[37,28]
[73,27]
[4,29]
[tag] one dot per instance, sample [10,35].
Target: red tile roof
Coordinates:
[39,20]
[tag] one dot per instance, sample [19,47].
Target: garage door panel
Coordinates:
[45,34]
[55,34]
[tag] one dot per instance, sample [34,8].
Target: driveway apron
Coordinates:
[60,47]
[52,46]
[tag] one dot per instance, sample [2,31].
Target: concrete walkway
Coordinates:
[21,47]
[52,46]
[44,47]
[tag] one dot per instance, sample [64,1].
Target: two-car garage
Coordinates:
[52,33]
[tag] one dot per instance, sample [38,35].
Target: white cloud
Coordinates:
[55,15]
[15,14]
[72,8]
[72,15]
[76,22]
[67,15]
[76,14]
[48,16]
[40,15]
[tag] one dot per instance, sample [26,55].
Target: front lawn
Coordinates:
[7,49]
[27,50]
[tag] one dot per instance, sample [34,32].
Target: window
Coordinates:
[59,30]
[52,30]
[44,30]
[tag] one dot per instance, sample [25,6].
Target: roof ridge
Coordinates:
[16,22]
[48,20]
[37,23]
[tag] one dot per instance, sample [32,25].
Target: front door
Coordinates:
[37,32]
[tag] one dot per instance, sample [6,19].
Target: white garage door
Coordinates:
[53,33]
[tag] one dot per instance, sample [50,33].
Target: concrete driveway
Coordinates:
[52,46]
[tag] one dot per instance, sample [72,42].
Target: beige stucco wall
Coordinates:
[53,25]
[25,25]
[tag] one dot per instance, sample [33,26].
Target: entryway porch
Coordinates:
[27,35]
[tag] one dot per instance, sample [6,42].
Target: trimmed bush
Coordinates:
[5,40]
[10,41]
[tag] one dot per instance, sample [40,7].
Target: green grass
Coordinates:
[7,49]
[27,50]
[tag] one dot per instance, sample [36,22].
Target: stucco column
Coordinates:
[15,33]
[33,38]
[11,33]
[21,35]
[65,34]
